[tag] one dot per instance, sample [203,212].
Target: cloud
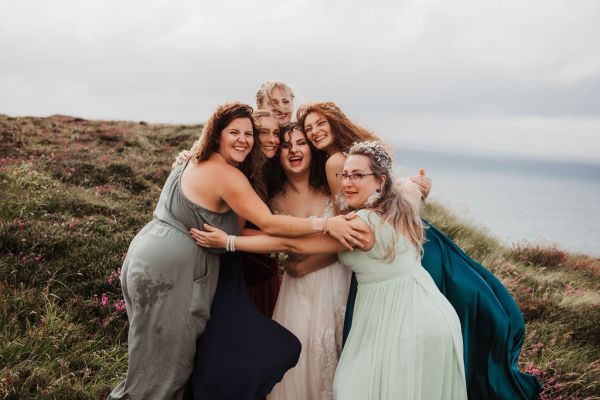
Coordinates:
[460,61]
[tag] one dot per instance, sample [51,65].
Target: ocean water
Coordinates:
[517,200]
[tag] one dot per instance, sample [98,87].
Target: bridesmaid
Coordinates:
[406,341]
[168,283]
[275,102]
[261,271]
[331,132]
[277,97]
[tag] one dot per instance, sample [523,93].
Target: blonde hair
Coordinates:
[395,209]
[266,89]
[258,114]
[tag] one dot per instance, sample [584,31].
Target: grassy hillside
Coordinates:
[74,192]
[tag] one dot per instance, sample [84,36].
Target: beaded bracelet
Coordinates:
[230,246]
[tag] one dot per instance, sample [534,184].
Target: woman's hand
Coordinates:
[293,270]
[182,157]
[212,237]
[346,232]
[424,183]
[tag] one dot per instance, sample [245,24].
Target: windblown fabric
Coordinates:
[492,324]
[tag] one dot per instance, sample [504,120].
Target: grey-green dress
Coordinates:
[168,284]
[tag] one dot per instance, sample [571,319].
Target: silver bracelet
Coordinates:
[230,246]
[227,246]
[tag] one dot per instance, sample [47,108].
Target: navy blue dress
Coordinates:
[242,354]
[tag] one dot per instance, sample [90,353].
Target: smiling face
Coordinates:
[280,102]
[318,131]
[268,135]
[236,141]
[295,154]
[358,191]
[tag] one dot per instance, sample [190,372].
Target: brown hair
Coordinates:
[345,132]
[209,142]
[317,178]
[266,89]
[395,208]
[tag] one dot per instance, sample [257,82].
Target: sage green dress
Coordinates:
[405,341]
[168,284]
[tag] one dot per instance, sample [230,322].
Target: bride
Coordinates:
[312,299]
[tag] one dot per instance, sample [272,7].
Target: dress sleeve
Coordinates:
[370,217]
[383,232]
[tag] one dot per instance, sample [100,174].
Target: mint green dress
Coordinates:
[405,341]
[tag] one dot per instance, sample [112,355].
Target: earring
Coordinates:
[372,199]
[341,202]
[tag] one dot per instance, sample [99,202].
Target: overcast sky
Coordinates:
[519,76]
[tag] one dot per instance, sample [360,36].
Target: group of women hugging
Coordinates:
[374,302]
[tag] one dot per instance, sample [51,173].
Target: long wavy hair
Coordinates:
[317,178]
[391,205]
[345,132]
[209,142]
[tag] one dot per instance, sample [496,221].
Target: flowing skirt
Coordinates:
[242,353]
[405,343]
[492,324]
[312,307]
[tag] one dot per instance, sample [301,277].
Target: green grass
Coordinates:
[73,193]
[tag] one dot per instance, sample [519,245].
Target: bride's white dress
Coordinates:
[312,307]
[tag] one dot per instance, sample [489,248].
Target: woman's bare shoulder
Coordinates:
[218,171]
[336,162]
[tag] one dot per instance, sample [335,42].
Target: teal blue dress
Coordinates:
[492,324]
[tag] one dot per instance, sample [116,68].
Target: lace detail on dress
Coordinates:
[322,348]
[312,307]
[340,314]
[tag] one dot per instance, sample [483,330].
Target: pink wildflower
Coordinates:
[120,306]
[104,299]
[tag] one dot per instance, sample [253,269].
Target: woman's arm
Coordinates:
[250,232]
[312,244]
[313,263]
[424,183]
[235,190]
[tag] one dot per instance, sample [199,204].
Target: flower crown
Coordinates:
[375,149]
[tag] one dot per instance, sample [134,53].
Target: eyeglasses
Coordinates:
[355,177]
